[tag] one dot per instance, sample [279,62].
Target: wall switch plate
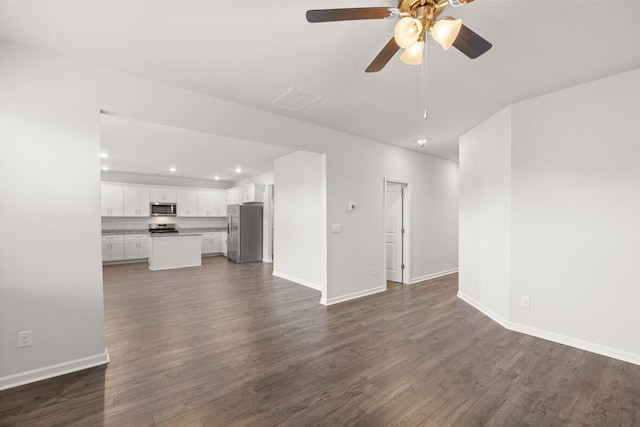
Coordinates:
[352,206]
[336,228]
[525,302]
[25,339]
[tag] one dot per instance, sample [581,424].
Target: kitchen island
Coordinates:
[177,250]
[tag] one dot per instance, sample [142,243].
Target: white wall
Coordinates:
[50,261]
[355,173]
[574,206]
[300,219]
[485,214]
[50,136]
[576,212]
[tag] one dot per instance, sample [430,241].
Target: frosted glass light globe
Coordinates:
[407,31]
[413,54]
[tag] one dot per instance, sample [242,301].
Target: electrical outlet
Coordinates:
[525,302]
[25,339]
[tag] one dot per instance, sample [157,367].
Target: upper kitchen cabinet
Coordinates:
[112,199]
[251,193]
[163,195]
[136,201]
[212,203]
[206,203]
[222,203]
[187,203]
[233,196]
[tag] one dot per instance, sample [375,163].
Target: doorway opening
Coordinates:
[396,230]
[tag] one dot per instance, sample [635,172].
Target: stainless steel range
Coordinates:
[162,228]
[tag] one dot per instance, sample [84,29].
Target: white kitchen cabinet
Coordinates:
[217,243]
[163,195]
[112,248]
[221,201]
[211,243]
[187,203]
[208,243]
[136,246]
[136,201]
[233,196]
[207,204]
[112,199]
[252,193]
[212,203]
[223,243]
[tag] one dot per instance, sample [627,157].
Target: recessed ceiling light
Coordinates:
[217,178]
[104,155]
[172,169]
[238,169]
[105,168]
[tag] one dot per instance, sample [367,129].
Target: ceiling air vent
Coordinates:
[295,99]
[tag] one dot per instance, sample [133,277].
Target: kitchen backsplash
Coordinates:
[112,223]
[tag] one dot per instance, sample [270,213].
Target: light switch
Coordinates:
[352,206]
[336,228]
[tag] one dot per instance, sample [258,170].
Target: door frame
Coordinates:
[406,224]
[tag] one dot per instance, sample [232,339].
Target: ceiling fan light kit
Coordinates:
[413,54]
[445,31]
[417,19]
[407,31]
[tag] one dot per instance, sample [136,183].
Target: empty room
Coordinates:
[332,213]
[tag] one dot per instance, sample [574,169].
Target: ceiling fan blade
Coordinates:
[383,57]
[470,43]
[350,14]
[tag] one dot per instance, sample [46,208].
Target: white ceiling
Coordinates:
[252,51]
[148,148]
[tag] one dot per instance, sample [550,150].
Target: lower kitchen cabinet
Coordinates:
[212,243]
[136,246]
[223,241]
[112,248]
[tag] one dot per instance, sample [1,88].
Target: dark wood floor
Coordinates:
[231,345]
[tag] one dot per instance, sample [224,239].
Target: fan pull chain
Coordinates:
[424,83]
[423,100]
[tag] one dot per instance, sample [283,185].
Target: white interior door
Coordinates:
[393,231]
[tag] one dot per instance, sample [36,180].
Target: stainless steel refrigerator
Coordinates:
[244,241]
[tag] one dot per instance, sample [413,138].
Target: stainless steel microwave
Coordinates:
[163,209]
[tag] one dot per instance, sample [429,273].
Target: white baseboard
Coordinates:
[614,353]
[51,371]
[592,347]
[354,295]
[267,260]
[297,280]
[432,276]
[481,308]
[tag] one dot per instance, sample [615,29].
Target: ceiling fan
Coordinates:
[417,19]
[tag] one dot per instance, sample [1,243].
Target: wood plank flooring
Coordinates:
[232,345]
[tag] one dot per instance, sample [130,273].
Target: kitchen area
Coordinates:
[174,227]
[167,194]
